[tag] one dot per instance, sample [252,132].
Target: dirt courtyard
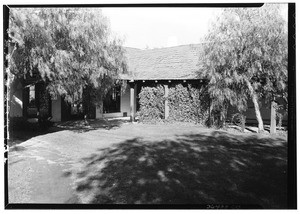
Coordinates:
[149,164]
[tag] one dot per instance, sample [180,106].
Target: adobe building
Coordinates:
[165,66]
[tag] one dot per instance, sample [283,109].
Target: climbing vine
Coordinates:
[186,104]
[151,101]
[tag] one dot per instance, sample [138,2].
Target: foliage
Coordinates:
[152,107]
[246,56]
[187,104]
[240,120]
[70,48]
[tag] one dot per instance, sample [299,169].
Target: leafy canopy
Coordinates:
[68,48]
[246,45]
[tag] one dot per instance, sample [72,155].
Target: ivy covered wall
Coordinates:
[187,103]
[151,101]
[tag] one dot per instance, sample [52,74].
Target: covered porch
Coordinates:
[129,99]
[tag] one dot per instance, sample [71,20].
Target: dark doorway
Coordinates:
[38,101]
[111,103]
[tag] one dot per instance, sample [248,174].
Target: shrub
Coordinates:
[240,120]
[151,104]
[179,104]
[186,104]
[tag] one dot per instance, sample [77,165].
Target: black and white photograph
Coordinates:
[168,106]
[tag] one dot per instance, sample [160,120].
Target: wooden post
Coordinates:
[166,101]
[135,98]
[273,118]
[132,107]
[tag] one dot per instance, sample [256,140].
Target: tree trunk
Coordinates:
[273,118]
[256,107]
[101,109]
[243,122]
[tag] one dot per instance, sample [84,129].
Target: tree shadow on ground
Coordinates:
[215,167]
[21,134]
[90,124]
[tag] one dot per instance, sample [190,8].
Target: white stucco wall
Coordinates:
[16,104]
[125,101]
[98,114]
[56,109]
[265,112]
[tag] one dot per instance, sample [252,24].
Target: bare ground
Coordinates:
[124,163]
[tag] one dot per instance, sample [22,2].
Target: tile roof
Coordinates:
[170,63]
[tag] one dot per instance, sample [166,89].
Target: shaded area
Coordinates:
[90,124]
[19,136]
[22,133]
[215,167]
[18,148]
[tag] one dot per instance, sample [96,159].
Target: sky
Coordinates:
[160,27]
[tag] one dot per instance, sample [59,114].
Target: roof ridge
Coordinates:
[132,48]
[173,46]
[194,44]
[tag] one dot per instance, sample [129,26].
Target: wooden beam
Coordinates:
[166,101]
